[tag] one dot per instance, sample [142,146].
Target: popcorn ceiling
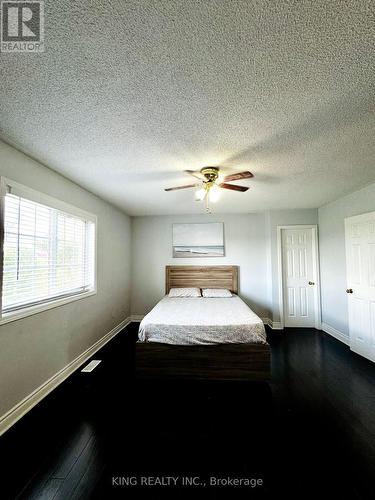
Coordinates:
[129,94]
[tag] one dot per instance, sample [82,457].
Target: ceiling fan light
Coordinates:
[220,178]
[214,194]
[200,194]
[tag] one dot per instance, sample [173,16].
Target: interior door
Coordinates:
[360,262]
[298,277]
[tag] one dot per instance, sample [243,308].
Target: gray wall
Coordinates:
[245,242]
[35,348]
[332,253]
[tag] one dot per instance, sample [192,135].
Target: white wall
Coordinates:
[35,348]
[332,254]
[245,243]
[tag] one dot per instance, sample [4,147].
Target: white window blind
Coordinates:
[49,254]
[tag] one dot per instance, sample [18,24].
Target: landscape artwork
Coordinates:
[198,240]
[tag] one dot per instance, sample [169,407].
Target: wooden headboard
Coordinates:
[202,277]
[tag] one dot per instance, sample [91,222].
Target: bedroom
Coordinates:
[108,110]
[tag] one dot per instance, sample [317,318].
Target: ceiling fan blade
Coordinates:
[233,187]
[181,187]
[237,177]
[198,175]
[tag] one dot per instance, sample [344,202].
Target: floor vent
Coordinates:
[91,366]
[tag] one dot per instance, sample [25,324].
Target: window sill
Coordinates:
[29,311]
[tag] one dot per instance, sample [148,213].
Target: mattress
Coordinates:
[189,321]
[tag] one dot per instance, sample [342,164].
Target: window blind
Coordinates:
[48,254]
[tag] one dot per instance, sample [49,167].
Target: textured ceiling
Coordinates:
[130,93]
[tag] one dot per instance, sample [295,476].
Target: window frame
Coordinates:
[50,202]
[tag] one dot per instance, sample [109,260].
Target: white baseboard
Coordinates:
[135,318]
[275,325]
[20,409]
[335,333]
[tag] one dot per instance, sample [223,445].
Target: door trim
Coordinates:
[316,271]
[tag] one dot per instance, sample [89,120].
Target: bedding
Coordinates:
[189,321]
[185,292]
[216,292]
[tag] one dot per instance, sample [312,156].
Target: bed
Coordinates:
[202,338]
[202,321]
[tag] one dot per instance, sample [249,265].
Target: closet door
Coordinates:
[299,277]
[360,262]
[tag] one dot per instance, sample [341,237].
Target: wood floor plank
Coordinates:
[72,451]
[88,462]
[44,491]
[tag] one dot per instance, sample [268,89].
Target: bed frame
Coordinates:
[203,362]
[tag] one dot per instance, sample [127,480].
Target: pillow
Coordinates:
[185,292]
[216,292]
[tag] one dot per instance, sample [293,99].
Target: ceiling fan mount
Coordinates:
[210,173]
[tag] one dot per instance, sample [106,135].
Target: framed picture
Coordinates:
[198,240]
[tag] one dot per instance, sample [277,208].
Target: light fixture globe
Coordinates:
[214,193]
[200,194]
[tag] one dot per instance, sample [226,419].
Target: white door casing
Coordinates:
[360,264]
[299,276]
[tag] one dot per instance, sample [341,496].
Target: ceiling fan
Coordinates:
[209,183]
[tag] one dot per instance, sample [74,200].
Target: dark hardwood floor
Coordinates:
[310,433]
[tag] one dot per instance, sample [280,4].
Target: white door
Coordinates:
[299,277]
[360,263]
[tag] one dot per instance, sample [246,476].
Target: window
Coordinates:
[48,251]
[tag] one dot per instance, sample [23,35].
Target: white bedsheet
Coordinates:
[185,321]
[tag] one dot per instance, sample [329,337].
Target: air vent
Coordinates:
[91,366]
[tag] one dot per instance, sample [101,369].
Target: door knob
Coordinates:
[349,290]
[311,283]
